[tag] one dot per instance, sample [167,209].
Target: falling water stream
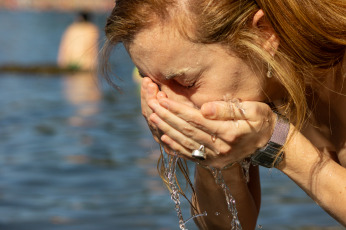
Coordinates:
[170,173]
[231,204]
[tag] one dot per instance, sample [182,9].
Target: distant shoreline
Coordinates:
[38,69]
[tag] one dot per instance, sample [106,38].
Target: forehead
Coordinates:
[162,46]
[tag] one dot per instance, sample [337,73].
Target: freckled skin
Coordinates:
[193,74]
[214,72]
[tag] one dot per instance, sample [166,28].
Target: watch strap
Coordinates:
[281,129]
[271,155]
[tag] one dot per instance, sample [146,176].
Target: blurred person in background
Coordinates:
[78,51]
[79,45]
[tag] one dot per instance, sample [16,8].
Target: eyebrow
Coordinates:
[179,73]
[173,75]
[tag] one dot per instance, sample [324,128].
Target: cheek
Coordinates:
[252,91]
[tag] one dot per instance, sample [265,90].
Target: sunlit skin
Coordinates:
[189,75]
[185,98]
[180,79]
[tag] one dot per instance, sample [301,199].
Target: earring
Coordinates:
[269,72]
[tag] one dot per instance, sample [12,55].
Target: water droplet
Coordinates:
[217,213]
[213,138]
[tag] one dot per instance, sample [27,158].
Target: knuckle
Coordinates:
[188,130]
[259,125]
[197,124]
[164,116]
[224,149]
[188,144]
[261,144]
[230,138]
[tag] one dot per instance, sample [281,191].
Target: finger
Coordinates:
[225,132]
[211,159]
[173,133]
[161,94]
[146,110]
[149,90]
[147,94]
[144,86]
[189,122]
[247,110]
[175,148]
[192,116]
[177,140]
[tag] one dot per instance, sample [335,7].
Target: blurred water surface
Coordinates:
[76,156]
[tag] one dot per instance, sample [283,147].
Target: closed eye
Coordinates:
[184,83]
[190,86]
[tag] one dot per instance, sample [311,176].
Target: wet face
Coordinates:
[189,72]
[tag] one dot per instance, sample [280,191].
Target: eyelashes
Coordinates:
[187,85]
[190,86]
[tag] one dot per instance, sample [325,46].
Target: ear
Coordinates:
[270,40]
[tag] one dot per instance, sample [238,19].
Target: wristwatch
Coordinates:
[271,155]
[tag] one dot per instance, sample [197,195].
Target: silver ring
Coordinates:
[199,153]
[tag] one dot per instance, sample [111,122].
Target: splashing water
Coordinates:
[245,164]
[234,103]
[195,216]
[235,223]
[170,172]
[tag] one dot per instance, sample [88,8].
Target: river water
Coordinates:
[76,156]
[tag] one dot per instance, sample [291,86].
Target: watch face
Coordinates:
[268,156]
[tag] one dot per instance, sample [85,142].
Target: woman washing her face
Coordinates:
[210,70]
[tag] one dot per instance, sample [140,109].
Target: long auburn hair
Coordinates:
[312,35]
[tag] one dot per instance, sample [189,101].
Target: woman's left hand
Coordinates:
[229,131]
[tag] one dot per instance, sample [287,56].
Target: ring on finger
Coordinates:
[199,153]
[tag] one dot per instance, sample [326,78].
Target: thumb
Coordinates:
[221,110]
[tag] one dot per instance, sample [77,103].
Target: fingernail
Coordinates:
[151,89]
[208,110]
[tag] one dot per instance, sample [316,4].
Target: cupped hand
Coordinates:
[229,131]
[149,91]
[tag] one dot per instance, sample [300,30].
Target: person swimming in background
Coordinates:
[79,45]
